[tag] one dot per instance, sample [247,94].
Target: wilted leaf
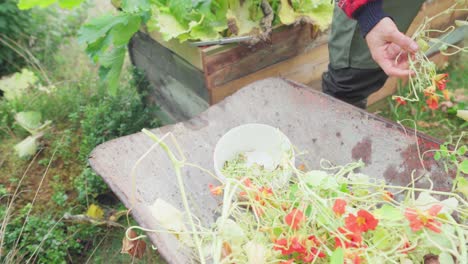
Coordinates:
[27,147]
[256,253]
[94,211]
[16,85]
[30,121]
[135,248]
[463,114]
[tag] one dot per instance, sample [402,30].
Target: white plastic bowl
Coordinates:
[262,144]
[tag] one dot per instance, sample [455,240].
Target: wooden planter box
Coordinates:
[186,79]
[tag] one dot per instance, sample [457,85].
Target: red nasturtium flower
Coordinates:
[400,101]
[339,207]
[440,80]
[295,218]
[306,250]
[215,190]
[353,240]
[312,251]
[362,222]
[289,247]
[433,102]
[419,219]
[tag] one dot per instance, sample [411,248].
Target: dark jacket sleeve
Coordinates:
[367,12]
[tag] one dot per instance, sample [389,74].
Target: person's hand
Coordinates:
[385,43]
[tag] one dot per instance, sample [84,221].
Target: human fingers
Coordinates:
[394,70]
[402,41]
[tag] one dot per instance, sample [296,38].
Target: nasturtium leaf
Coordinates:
[388,212]
[437,156]
[337,256]
[277,231]
[464,166]
[381,239]
[462,185]
[462,150]
[95,211]
[30,121]
[446,258]
[27,147]
[315,177]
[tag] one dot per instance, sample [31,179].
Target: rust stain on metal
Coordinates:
[363,150]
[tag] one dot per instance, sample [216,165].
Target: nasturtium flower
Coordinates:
[362,222]
[388,196]
[352,240]
[429,91]
[312,251]
[289,247]
[446,94]
[433,102]
[400,101]
[215,190]
[440,80]
[339,207]
[295,218]
[419,219]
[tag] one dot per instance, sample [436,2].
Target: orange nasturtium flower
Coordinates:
[433,102]
[419,219]
[388,196]
[295,218]
[352,239]
[429,91]
[446,94]
[440,80]
[362,222]
[215,190]
[339,207]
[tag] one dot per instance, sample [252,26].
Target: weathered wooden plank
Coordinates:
[189,53]
[178,88]
[303,68]
[242,60]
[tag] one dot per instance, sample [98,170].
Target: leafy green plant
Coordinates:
[106,37]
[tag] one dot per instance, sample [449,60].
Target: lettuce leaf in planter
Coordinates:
[244,18]
[186,19]
[318,12]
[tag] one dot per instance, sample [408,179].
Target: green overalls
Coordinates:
[352,73]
